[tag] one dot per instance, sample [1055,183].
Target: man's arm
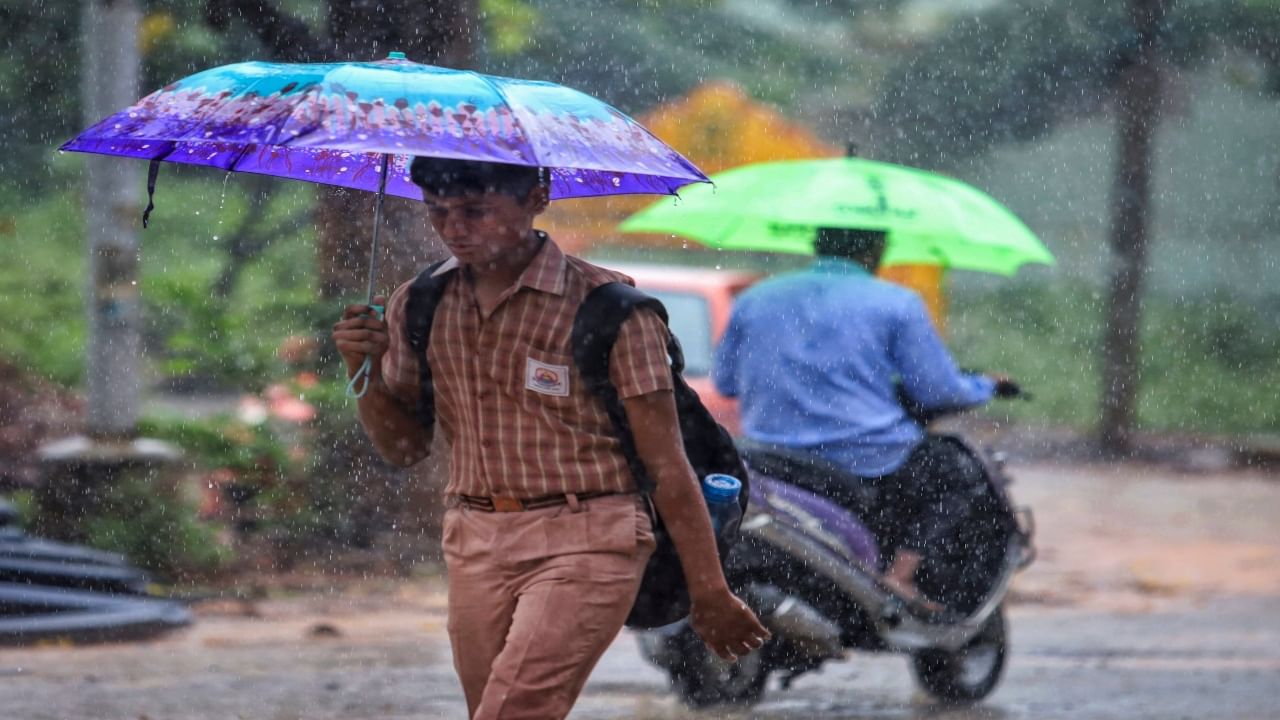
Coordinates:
[396,433]
[724,369]
[929,375]
[723,621]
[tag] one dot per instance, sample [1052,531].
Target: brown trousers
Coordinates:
[536,597]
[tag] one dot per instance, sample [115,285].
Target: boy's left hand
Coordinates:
[727,625]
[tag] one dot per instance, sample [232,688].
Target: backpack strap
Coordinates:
[595,331]
[419,314]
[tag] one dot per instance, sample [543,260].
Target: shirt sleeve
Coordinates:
[639,364]
[929,375]
[400,363]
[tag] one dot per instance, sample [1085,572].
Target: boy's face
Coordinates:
[483,228]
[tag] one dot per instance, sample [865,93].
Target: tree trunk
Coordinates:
[438,32]
[111,70]
[344,234]
[434,32]
[428,31]
[1138,93]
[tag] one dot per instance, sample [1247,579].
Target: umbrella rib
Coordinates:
[497,89]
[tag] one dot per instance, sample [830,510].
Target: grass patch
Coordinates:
[1210,363]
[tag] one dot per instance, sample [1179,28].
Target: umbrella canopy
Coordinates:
[333,123]
[777,207]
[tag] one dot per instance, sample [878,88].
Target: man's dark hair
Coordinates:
[446,177]
[865,246]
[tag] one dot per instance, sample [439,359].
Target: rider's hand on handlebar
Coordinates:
[1006,387]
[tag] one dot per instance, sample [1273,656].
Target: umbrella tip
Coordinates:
[396,56]
[851,149]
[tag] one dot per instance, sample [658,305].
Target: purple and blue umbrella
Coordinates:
[359,124]
[337,123]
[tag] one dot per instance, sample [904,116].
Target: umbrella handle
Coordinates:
[359,383]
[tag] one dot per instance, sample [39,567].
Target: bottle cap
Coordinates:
[721,487]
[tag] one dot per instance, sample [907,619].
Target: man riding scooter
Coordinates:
[821,361]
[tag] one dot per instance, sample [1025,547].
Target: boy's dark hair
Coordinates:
[852,243]
[446,177]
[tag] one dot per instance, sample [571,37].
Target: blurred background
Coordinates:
[240,277]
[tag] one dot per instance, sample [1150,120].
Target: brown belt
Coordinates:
[508,503]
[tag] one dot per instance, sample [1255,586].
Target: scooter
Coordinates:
[811,570]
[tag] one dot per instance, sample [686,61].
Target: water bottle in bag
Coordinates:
[721,494]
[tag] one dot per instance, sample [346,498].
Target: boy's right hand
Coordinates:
[728,627]
[361,333]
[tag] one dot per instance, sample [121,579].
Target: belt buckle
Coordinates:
[506,503]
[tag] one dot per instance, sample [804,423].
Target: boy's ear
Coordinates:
[539,198]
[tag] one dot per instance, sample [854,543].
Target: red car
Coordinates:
[698,301]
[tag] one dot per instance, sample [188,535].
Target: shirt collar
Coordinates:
[828,265]
[545,272]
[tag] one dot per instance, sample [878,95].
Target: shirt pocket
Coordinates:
[543,381]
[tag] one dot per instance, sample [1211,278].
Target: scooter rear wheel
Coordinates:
[970,673]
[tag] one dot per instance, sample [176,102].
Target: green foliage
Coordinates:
[42,269]
[157,532]
[1011,73]
[510,24]
[350,499]
[38,84]
[210,340]
[286,477]
[1022,68]
[1040,336]
[638,54]
[251,449]
[1210,364]
[24,502]
[189,331]
[40,56]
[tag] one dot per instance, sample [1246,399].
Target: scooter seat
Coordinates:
[798,467]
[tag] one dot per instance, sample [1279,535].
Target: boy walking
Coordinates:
[545,538]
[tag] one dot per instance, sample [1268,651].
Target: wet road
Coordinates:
[1218,660]
[1157,595]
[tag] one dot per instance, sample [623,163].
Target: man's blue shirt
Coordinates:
[812,357]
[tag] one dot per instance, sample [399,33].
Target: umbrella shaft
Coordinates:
[377,224]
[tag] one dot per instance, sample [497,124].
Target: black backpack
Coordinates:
[663,597]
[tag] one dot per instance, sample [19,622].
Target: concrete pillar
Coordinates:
[110,68]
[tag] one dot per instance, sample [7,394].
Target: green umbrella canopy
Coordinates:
[777,206]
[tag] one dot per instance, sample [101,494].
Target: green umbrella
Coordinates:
[777,206]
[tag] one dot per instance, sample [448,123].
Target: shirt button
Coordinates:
[482,395]
[486,444]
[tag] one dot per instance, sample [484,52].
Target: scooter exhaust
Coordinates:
[796,621]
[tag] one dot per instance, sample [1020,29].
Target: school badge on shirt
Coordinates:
[546,379]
